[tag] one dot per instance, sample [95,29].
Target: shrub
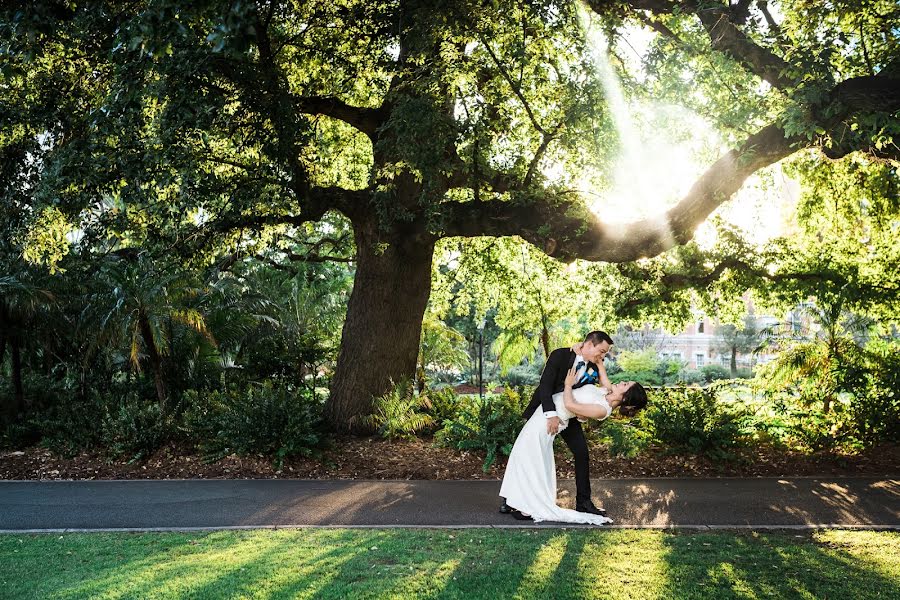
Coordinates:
[489,425]
[440,404]
[638,360]
[649,378]
[715,373]
[400,413]
[874,413]
[133,428]
[669,368]
[259,418]
[691,377]
[522,375]
[57,419]
[693,420]
[624,439]
[612,367]
[65,428]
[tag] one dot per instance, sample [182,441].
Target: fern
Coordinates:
[399,413]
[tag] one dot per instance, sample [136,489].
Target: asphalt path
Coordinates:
[757,503]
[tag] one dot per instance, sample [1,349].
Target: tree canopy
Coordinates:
[367,131]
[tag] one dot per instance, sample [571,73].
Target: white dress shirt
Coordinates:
[578,358]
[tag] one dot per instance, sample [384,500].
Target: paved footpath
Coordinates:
[758,503]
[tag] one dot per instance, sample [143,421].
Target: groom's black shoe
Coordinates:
[588,507]
[519,516]
[505,509]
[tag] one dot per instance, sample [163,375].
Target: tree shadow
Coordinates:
[467,563]
[769,565]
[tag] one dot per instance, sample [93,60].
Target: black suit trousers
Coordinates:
[573,436]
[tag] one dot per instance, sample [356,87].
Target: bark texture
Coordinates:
[380,339]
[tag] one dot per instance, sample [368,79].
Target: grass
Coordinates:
[353,563]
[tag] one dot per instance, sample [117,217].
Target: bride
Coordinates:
[529,483]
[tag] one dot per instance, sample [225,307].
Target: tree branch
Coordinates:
[673,282]
[366,120]
[724,35]
[316,203]
[763,7]
[565,229]
[512,84]
[539,153]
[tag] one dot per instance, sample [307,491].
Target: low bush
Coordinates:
[744,373]
[715,373]
[400,413]
[874,413]
[65,429]
[257,419]
[440,405]
[66,423]
[645,378]
[624,439]
[133,428]
[489,425]
[522,375]
[692,420]
[691,377]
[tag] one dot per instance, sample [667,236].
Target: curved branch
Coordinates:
[512,84]
[566,230]
[316,202]
[366,120]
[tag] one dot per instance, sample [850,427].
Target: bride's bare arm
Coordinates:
[604,378]
[588,411]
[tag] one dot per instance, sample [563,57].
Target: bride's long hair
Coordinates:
[633,401]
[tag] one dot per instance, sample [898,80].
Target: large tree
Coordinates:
[194,124]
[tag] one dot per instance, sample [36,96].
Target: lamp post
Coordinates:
[481,359]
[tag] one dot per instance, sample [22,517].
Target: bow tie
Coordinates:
[580,364]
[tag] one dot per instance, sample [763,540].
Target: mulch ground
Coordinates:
[375,458]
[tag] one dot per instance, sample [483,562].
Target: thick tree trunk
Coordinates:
[380,340]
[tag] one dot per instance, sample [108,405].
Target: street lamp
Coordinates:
[480,359]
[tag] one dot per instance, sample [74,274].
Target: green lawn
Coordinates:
[479,563]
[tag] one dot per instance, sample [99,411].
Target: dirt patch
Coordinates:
[374,458]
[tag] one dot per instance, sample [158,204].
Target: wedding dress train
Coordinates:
[529,483]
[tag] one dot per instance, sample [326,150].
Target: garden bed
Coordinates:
[375,458]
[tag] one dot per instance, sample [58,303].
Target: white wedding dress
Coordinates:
[529,483]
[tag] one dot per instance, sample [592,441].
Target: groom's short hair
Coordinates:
[595,337]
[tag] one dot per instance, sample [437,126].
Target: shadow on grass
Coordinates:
[779,565]
[449,564]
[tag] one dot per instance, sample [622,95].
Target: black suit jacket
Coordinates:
[553,380]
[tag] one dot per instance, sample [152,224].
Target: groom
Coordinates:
[596,346]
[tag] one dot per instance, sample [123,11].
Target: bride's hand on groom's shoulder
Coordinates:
[570,378]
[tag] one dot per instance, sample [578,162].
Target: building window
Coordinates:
[701,360]
[700,326]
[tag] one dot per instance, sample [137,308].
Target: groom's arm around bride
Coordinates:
[558,364]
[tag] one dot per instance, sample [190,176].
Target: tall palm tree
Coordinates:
[136,305]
